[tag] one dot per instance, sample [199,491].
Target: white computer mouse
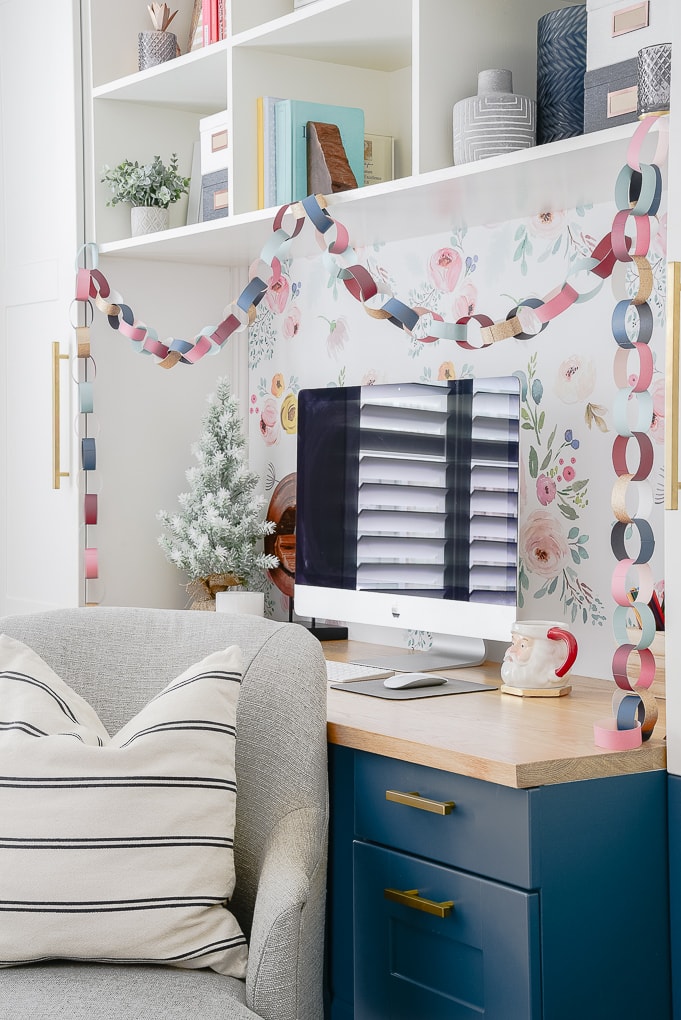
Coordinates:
[404,681]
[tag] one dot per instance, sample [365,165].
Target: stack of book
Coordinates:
[267,180]
[310,148]
[208,24]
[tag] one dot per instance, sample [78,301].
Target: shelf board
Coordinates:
[232,241]
[561,175]
[195,82]
[354,33]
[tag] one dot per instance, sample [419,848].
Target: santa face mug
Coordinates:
[539,657]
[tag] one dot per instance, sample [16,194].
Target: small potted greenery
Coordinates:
[149,189]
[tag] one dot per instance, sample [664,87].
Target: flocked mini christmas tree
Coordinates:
[215,536]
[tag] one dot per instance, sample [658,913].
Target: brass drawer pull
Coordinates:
[411,898]
[437,807]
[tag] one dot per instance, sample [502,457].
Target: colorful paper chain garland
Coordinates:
[524,321]
[638,193]
[637,197]
[88,455]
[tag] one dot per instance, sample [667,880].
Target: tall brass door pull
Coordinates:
[57,473]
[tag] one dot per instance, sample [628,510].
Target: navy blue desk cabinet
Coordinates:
[675,885]
[524,900]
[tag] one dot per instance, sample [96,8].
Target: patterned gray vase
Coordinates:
[561,66]
[155,48]
[493,122]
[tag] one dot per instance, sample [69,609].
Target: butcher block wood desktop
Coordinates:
[485,857]
[519,742]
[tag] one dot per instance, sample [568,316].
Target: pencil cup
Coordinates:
[155,48]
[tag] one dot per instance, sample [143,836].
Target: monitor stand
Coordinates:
[324,631]
[471,652]
[327,632]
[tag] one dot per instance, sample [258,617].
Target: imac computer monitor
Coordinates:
[407,509]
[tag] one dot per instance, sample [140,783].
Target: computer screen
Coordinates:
[407,506]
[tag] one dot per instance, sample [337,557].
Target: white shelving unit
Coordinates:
[405,62]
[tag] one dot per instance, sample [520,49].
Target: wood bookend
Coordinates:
[328,170]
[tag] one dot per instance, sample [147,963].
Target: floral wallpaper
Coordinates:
[310,332]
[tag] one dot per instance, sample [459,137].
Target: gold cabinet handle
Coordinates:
[437,807]
[411,898]
[671,440]
[57,473]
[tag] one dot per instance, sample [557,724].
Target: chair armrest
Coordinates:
[284,980]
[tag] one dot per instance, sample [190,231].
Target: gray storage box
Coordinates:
[610,95]
[214,195]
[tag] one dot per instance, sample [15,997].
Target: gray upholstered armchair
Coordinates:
[119,659]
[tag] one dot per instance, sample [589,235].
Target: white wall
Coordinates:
[148,419]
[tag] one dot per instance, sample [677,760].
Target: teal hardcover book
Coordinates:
[292,116]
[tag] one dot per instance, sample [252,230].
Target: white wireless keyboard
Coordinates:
[346,672]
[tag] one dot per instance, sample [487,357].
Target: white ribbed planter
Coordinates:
[147,219]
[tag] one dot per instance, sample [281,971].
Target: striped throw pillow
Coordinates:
[118,849]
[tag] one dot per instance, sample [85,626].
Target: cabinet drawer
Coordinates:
[479,961]
[487,831]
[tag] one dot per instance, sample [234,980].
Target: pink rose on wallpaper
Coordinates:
[543,544]
[269,422]
[548,224]
[292,323]
[444,269]
[338,335]
[546,490]
[575,380]
[464,303]
[446,371]
[657,424]
[370,377]
[277,293]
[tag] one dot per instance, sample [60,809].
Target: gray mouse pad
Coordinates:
[377,689]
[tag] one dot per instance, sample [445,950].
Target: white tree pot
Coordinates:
[147,219]
[250,602]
